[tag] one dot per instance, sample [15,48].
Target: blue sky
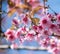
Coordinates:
[55,5]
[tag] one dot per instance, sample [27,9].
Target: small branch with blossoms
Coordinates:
[41,33]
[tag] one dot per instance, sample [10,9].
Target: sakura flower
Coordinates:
[35,28]
[21,32]
[53,44]
[25,20]
[14,46]
[29,36]
[58,32]
[22,15]
[24,30]
[11,38]
[9,32]
[53,28]
[56,51]
[18,33]
[50,50]
[50,16]
[21,39]
[37,38]
[58,44]
[58,18]
[58,25]
[40,28]
[44,43]
[10,35]
[32,32]
[15,21]
[46,33]
[45,22]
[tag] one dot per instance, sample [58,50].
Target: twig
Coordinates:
[52,10]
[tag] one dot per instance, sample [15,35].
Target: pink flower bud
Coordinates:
[25,20]
[14,46]
[15,21]
[58,18]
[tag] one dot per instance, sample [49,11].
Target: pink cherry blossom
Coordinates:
[53,44]
[9,32]
[53,28]
[46,33]
[58,18]
[21,39]
[10,35]
[11,38]
[56,51]
[25,19]
[29,36]
[14,46]
[44,43]
[24,30]
[40,28]
[50,16]
[15,21]
[45,22]
[35,28]
[18,33]
[37,38]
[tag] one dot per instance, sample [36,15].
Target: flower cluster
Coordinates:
[42,33]
[45,32]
